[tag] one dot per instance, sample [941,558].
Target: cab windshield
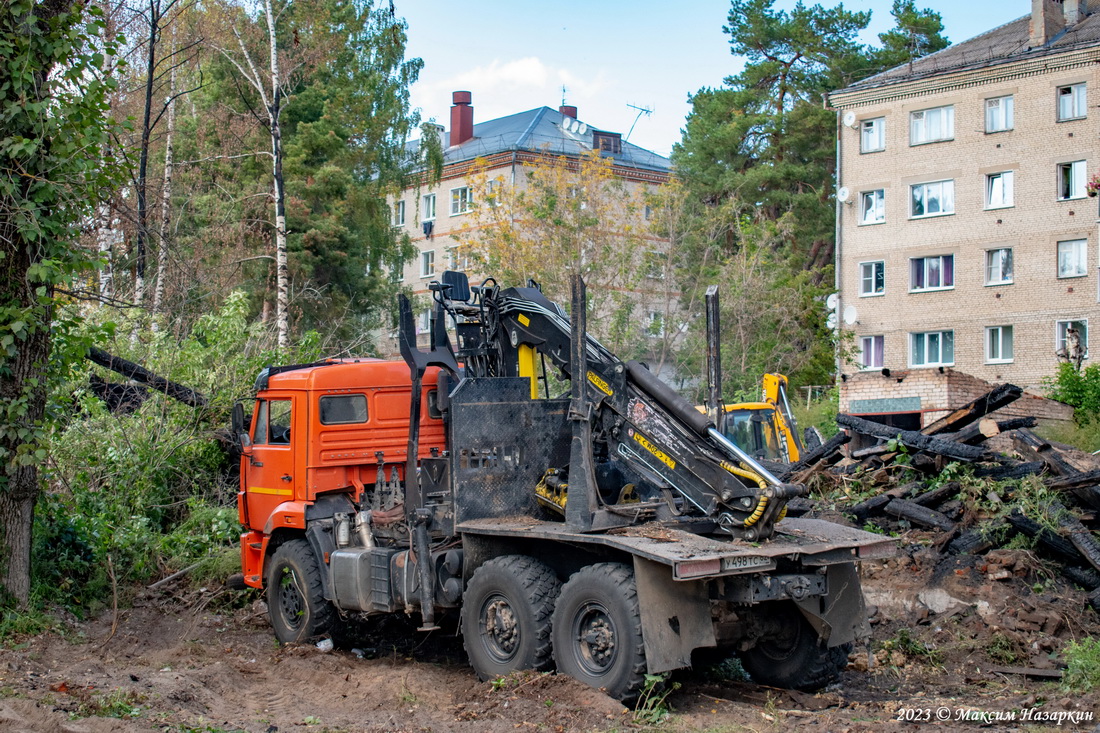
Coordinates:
[754,432]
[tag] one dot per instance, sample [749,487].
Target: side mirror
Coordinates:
[239,427]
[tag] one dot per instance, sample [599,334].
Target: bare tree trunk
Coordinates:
[165,203]
[282,321]
[106,237]
[143,159]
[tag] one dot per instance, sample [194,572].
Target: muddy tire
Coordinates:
[598,630]
[795,658]
[506,613]
[295,600]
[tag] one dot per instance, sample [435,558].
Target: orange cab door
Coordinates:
[269,468]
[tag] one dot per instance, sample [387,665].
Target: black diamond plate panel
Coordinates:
[502,441]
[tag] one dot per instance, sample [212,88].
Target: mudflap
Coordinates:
[839,617]
[676,616]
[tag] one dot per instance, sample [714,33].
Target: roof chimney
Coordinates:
[1047,21]
[1075,11]
[462,118]
[568,110]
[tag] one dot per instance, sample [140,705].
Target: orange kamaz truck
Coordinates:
[608,532]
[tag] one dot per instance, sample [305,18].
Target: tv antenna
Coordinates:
[563,90]
[647,111]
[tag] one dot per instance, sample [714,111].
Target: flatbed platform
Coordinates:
[813,542]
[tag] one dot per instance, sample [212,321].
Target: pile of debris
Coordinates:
[909,477]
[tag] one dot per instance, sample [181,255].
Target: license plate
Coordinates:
[740,562]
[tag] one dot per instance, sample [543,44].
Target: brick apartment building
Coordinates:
[506,145]
[967,238]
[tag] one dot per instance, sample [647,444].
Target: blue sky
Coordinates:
[514,55]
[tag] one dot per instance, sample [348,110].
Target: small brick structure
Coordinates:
[918,397]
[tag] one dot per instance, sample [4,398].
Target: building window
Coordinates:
[932,348]
[655,264]
[399,213]
[608,142]
[931,125]
[427,263]
[932,273]
[999,113]
[656,327]
[424,322]
[1073,258]
[935,198]
[429,207]
[459,258]
[1071,102]
[872,278]
[1071,180]
[998,266]
[998,190]
[461,200]
[1071,338]
[872,135]
[647,212]
[871,350]
[998,344]
[872,207]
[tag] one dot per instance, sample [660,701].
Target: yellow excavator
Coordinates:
[764,429]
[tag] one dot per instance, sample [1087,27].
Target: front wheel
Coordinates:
[295,599]
[506,612]
[598,630]
[793,656]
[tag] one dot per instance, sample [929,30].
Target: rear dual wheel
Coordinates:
[794,657]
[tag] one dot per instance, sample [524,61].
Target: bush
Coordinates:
[142,494]
[1081,389]
[821,413]
[1082,665]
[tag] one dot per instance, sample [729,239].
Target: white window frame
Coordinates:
[1079,258]
[399,213]
[872,201]
[932,125]
[656,325]
[427,263]
[1071,102]
[996,339]
[925,338]
[462,200]
[995,269]
[1072,178]
[459,257]
[428,213]
[946,193]
[424,321]
[866,342]
[926,270]
[999,114]
[1000,190]
[867,272]
[872,135]
[1060,328]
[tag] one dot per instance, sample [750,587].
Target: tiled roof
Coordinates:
[542,130]
[1004,44]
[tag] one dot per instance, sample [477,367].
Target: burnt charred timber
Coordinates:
[138,373]
[1050,541]
[1007,471]
[971,412]
[937,496]
[1031,446]
[913,439]
[918,514]
[977,540]
[1078,535]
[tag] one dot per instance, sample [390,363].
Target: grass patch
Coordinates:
[1082,665]
[1083,437]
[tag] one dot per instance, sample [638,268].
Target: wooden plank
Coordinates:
[1049,674]
[935,496]
[973,411]
[1011,470]
[913,439]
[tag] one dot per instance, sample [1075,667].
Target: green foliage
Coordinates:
[652,706]
[821,413]
[1084,437]
[904,642]
[1081,389]
[138,495]
[917,33]
[53,170]
[1082,665]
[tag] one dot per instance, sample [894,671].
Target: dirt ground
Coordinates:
[945,629]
